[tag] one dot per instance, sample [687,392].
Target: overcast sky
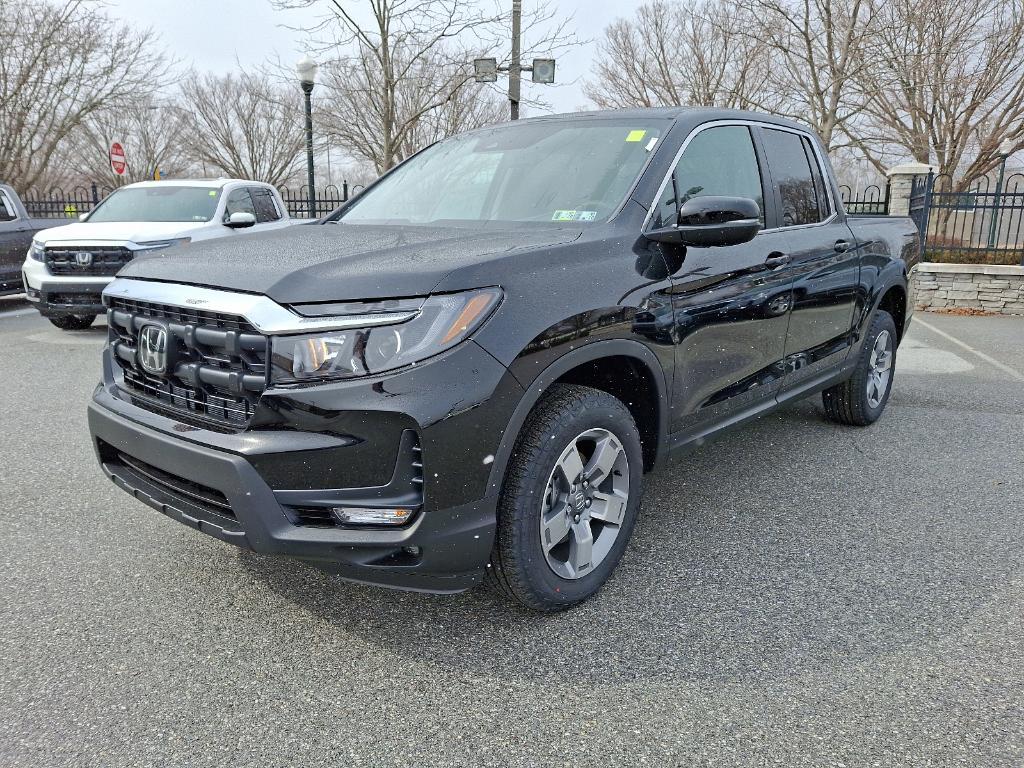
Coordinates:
[218,35]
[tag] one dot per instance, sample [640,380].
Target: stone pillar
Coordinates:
[901,182]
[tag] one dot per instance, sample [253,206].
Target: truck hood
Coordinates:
[342,262]
[118,231]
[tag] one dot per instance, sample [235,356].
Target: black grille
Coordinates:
[184,494]
[102,261]
[216,363]
[74,299]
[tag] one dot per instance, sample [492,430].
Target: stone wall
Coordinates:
[992,288]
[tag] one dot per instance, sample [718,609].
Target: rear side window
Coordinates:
[6,208]
[239,201]
[824,208]
[802,195]
[263,201]
[717,161]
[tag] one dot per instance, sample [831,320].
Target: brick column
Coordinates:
[901,181]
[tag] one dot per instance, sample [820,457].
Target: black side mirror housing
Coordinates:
[710,221]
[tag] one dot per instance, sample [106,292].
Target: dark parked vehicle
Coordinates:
[465,372]
[16,230]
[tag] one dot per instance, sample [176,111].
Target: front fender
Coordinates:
[536,387]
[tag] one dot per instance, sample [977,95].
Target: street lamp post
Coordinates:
[307,78]
[1005,150]
[541,70]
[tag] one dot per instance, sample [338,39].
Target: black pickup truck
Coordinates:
[465,372]
[16,230]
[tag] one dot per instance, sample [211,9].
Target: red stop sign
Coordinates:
[117,158]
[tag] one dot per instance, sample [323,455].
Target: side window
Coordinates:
[263,200]
[7,212]
[824,208]
[791,172]
[239,201]
[717,161]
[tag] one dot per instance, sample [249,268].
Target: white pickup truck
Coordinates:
[68,267]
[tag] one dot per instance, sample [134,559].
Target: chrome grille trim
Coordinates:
[266,315]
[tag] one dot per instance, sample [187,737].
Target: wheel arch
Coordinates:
[586,365]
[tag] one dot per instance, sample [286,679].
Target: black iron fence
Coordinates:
[58,203]
[327,199]
[975,222]
[63,204]
[872,200]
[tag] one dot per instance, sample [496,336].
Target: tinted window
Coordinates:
[717,161]
[824,208]
[263,201]
[6,208]
[239,201]
[791,172]
[168,202]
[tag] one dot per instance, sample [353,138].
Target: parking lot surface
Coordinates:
[796,593]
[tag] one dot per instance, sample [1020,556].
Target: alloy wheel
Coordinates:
[584,503]
[880,368]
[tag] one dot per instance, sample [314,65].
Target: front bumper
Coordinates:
[55,296]
[245,487]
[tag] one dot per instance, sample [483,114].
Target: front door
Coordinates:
[731,304]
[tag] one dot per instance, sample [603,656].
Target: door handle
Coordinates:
[777,259]
[842,246]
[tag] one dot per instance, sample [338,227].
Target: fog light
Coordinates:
[371,516]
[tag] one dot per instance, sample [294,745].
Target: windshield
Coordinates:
[170,203]
[551,170]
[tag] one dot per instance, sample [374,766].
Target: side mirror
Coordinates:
[83,216]
[712,221]
[240,220]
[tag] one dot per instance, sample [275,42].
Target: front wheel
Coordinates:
[569,500]
[860,399]
[72,322]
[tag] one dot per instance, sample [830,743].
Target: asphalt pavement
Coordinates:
[796,593]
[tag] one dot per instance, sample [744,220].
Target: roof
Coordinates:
[694,114]
[210,183]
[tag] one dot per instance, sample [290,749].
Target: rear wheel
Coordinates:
[569,500]
[73,322]
[860,400]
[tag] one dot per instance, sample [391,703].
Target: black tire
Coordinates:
[849,402]
[519,568]
[73,322]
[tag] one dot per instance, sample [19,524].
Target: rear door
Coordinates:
[824,263]
[731,304]
[15,237]
[268,212]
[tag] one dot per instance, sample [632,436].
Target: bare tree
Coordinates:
[945,83]
[152,134]
[395,66]
[670,54]
[816,47]
[60,63]
[244,127]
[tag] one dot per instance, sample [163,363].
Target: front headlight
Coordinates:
[37,251]
[157,245]
[439,324]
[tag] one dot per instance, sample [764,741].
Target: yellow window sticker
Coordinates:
[636,135]
[213,193]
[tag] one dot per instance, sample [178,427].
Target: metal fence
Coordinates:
[976,222]
[63,204]
[872,200]
[327,199]
[58,203]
